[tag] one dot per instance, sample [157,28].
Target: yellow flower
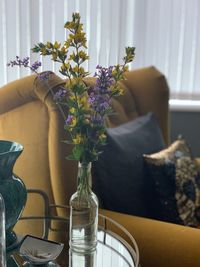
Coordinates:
[77,140]
[73,122]
[68,43]
[114,72]
[83,55]
[56,45]
[72,97]
[83,101]
[72,56]
[126,68]
[43,51]
[102,137]
[63,50]
[81,70]
[117,90]
[48,45]
[71,36]
[75,69]
[54,55]
[87,121]
[72,110]
[121,91]
[65,66]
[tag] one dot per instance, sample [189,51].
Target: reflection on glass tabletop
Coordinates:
[112,250]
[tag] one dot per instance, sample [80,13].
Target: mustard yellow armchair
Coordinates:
[28,115]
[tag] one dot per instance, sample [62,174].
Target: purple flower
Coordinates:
[19,62]
[60,94]
[100,103]
[24,62]
[68,121]
[104,78]
[97,119]
[100,95]
[35,66]
[45,75]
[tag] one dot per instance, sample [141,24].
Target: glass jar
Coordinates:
[83,213]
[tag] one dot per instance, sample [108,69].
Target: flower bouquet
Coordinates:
[87,109]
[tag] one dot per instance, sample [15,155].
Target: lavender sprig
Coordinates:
[100,95]
[25,62]
[44,76]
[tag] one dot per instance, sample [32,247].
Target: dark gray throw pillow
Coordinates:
[118,176]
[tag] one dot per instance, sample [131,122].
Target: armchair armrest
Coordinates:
[198,163]
[161,244]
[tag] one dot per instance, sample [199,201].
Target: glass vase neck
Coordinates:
[84,176]
[84,165]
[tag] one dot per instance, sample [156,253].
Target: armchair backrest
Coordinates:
[28,115]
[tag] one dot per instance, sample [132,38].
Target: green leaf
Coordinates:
[70,157]
[71,103]
[63,73]
[73,73]
[79,88]
[78,152]
[76,59]
[66,142]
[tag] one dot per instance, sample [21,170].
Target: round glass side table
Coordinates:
[112,250]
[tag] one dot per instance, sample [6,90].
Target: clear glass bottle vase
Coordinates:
[83,213]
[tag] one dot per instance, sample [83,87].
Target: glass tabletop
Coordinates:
[111,251]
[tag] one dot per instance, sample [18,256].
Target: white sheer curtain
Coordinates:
[166,34]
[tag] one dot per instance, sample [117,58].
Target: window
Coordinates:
[166,34]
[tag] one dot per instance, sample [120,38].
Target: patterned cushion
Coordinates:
[175,176]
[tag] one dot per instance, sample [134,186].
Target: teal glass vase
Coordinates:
[83,213]
[12,188]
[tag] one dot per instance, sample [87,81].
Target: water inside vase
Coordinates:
[84,223]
